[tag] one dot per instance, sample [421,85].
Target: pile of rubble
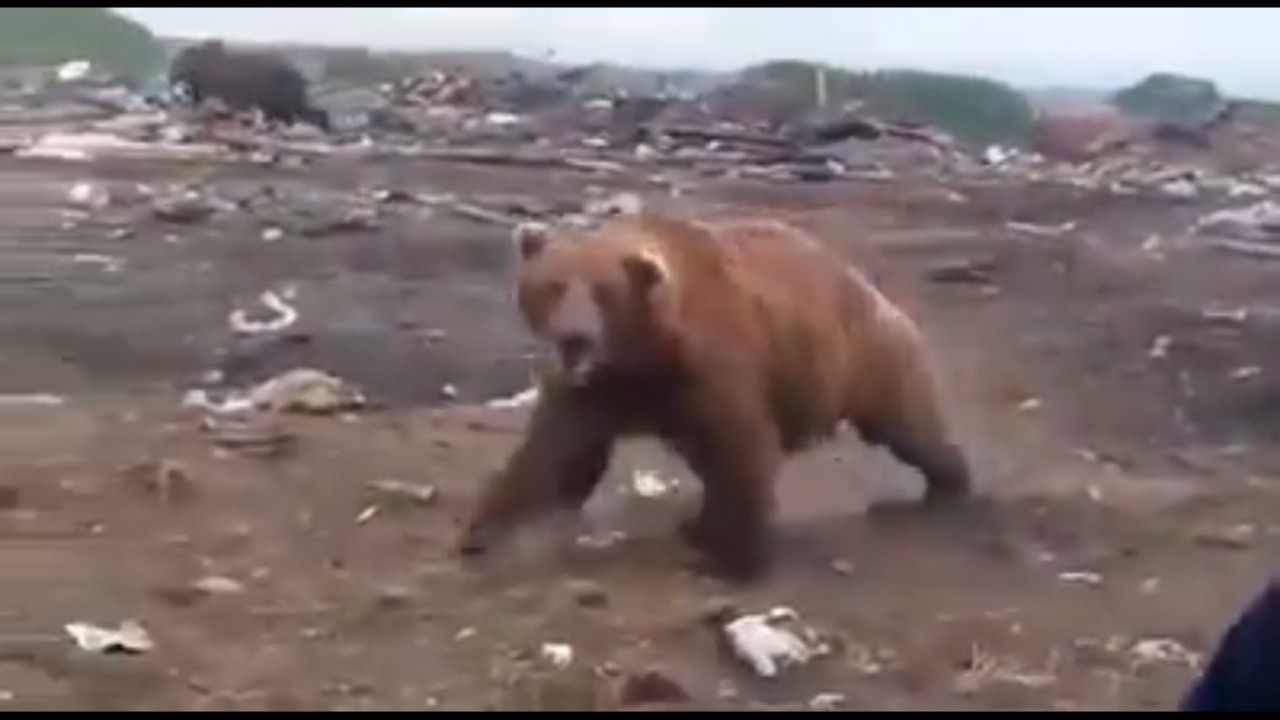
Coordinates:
[734,130]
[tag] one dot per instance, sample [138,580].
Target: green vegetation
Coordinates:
[1170,98]
[42,36]
[975,110]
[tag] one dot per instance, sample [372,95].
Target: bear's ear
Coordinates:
[530,239]
[646,269]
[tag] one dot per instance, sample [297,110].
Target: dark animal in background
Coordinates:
[245,80]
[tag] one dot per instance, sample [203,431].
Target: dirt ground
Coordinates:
[1124,433]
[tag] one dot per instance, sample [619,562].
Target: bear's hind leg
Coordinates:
[913,429]
[942,464]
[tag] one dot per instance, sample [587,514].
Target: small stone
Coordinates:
[9,498]
[1237,537]
[394,596]
[449,392]
[186,208]
[842,567]
[587,593]
[651,686]
[272,234]
[717,611]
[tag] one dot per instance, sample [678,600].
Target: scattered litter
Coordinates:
[130,637]
[43,399]
[1163,650]
[1091,579]
[1255,222]
[89,195]
[520,399]
[366,514]
[413,493]
[559,655]
[842,567]
[285,316]
[219,585]
[1181,189]
[761,642]
[306,390]
[199,398]
[827,701]
[74,70]
[1160,347]
[108,263]
[1245,373]
[1042,230]
[649,484]
[1236,537]
[600,542]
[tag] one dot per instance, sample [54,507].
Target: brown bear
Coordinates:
[736,343]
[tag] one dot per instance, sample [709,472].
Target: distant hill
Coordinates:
[44,36]
[1067,98]
[1171,98]
[973,109]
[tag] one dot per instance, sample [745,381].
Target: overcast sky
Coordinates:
[1031,46]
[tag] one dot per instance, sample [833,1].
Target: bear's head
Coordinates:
[599,304]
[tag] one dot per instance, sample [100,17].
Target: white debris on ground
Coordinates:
[763,643]
[649,484]
[301,390]
[36,399]
[83,147]
[1163,650]
[827,701]
[74,70]
[285,315]
[306,390]
[129,637]
[559,655]
[1259,221]
[89,195]
[520,399]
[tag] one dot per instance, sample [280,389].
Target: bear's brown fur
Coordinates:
[736,343]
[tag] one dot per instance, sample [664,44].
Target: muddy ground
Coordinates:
[1125,436]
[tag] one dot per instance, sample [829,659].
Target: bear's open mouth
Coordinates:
[576,358]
